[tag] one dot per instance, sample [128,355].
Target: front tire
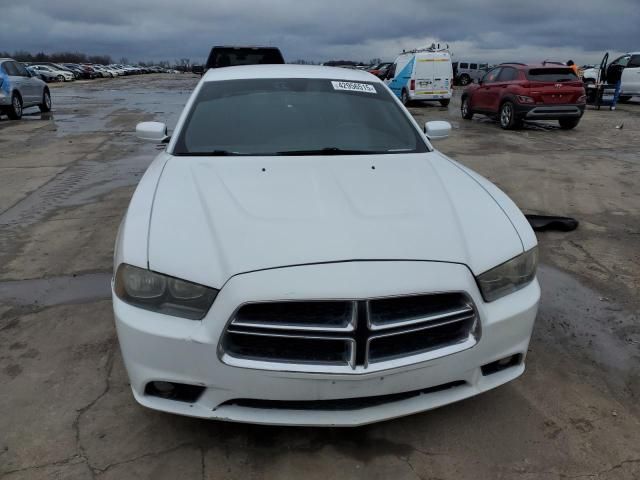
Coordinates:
[445,102]
[508,120]
[45,106]
[568,123]
[465,109]
[60,78]
[15,111]
[465,79]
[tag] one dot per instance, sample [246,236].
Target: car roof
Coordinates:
[243,72]
[525,66]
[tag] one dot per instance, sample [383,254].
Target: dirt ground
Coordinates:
[66,410]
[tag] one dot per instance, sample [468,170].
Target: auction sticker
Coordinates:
[354,87]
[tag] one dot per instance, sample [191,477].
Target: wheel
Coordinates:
[465,109]
[445,102]
[15,111]
[404,97]
[465,79]
[45,106]
[60,78]
[508,119]
[624,98]
[568,123]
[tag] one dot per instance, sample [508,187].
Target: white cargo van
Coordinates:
[422,75]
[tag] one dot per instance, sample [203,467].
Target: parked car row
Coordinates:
[67,72]
[24,85]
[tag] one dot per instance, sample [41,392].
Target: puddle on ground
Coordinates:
[582,320]
[76,111]
[47,292]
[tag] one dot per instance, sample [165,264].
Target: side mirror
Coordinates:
[437,130]
[152,132]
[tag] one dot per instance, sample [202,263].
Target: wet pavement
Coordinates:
[67,411]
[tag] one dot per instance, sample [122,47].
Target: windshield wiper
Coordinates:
[212,153]
[330,151]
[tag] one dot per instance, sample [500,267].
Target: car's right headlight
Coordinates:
[161,293]
[512,275]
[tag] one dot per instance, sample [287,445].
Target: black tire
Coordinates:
[445,102]
[404,97]
[624,98]
[45,106]
[14,112]
[464,80]
[60,78]
[507,117]
[465,109]
[568,123]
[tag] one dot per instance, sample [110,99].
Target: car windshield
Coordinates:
[296,117]
[552,75]
[232,56]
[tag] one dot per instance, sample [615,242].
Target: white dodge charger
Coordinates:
[300,254]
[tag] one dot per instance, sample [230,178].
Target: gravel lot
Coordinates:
[66,409]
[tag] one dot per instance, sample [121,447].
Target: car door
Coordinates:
[500,87]
[15,80]
[631,76]
[481,100]
[615,69]
[30,88]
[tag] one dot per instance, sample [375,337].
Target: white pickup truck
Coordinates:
[629,64]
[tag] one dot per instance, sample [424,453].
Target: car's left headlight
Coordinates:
[509,277]
[161,293]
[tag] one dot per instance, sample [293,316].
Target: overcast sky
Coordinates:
[490,30]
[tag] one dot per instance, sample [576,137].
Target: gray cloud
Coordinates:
[321,29]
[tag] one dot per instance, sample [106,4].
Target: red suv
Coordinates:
[514,92]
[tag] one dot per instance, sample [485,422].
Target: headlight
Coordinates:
[509,277]
[163,294]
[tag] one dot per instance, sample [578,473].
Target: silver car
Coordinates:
[19,89]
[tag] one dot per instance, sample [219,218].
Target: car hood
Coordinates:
[213,218]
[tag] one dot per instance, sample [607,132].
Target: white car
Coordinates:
[62,75]
[625,67]
[117,70]
[300,254]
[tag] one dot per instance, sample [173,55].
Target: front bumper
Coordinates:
[162,348]
[430,95]
[5,100]
[549,112]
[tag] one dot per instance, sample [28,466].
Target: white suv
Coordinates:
[468,72]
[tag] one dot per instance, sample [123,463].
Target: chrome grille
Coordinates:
[352,334]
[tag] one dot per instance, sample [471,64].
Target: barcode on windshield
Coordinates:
[354,87]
